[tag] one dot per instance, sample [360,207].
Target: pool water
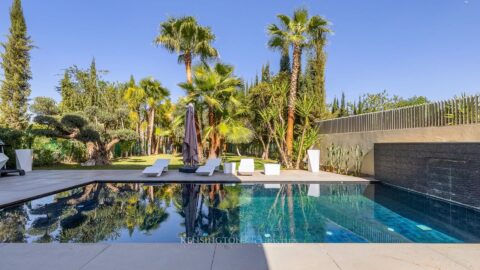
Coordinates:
[238,213]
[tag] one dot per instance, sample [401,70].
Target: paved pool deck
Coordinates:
[41,182]
[238,256]
[213,256]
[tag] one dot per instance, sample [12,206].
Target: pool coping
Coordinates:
[174,176]
[6,205]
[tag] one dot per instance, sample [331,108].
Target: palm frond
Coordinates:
[285,21]
[300,16]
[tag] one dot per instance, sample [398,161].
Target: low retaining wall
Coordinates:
[366,140]
[450,171]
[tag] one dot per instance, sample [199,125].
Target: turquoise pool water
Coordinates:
[238,213]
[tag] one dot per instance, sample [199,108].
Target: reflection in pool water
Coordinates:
[237,213]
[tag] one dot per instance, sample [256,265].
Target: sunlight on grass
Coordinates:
[140,162]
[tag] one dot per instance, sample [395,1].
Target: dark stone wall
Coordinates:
[450,171]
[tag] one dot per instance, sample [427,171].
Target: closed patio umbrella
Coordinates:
[189,146]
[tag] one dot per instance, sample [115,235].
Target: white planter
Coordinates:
[272,169]
[24,159]
[313,161]
[230,168]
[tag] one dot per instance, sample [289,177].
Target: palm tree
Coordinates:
[165,130]
[188,39]
[217,89]
[155,93]
[297,32]
[234,126]
[134,97]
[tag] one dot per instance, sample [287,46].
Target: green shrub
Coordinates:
[14,140]
[50,151]
[46,152]
[73,151]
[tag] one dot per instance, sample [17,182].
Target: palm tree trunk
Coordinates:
[151,122]
[297,52]
[139,133]
[142,141]
[267,149]
[157,146]
[188,66]
[199,137]
[264,146]
[213,137]
[238,151]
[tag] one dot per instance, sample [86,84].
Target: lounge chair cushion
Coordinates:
[205,170]
[162,163]
[212,164]
[154,171]
[3,160]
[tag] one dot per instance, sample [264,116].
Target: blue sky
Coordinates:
[409,47]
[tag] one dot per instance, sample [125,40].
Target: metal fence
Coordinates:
[458,111]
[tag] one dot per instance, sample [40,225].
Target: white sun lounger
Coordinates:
[212,165]
[160,166]
[3,160]
[247,166]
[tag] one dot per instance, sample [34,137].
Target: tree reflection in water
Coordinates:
[103,212]
[211,212]
[12,225]
[251,213]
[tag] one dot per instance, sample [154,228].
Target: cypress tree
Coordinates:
[360,106]
[266,73]
[343,107]
[319,66]
[315,82]
[131,82]
[15,88]
[335,105]
[68,94]
[92,87]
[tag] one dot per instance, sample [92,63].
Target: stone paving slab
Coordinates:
[41,182]
[467,255]
[299,257]
[47,256]
[391,257]
[239,256]
[154,257]
[272,256]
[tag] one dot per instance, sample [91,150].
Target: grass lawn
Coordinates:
[140,162]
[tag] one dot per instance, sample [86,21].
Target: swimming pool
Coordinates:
[238,213]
